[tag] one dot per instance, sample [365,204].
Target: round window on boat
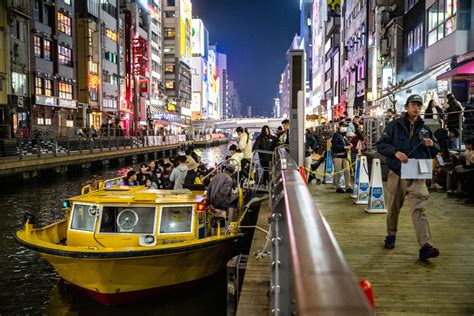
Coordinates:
[127,219]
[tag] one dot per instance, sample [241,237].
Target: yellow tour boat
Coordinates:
[120,242]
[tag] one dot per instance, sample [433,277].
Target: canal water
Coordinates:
[29,285]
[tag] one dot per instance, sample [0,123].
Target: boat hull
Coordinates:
[120,277]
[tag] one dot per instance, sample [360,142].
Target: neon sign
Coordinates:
[140,56]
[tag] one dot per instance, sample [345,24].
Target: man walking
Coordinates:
[405,138]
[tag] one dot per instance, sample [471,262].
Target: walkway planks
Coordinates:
[402,284]
[253,297]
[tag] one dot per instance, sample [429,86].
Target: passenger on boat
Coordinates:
[131,179]
[194,155]
[178,175]
[164,181]
[236,157]
[219,191]
[144,174]
[150,184]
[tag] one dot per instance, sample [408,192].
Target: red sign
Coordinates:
[140,56]
[143,86]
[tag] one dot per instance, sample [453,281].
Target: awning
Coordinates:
[418,79]
[464,71]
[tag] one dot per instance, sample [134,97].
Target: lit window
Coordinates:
[169,85]
[19,84]
[65,91]
[64,23]
[169,68]
[67,2]
[47,121]
[112,35]
[170,33]
[65,55]
[38,47]
[40,121]
[39,86]
[47,49]
[441,18]
[93,67]
[69,123]
[48,87]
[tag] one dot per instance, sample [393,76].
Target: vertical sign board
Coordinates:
[297,106]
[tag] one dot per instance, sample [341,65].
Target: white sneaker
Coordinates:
[436,186]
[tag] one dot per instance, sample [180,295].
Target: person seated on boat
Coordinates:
[131,178]
[150,184]
[219,192]
[164,181]
[178,175]
[144,174]
[236,157]
[194,155]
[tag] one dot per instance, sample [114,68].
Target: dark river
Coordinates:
[30,286]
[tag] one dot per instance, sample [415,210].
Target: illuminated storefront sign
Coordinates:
[185,19]
[171,106]
[94,81]
[197,42]
[185,111]
[140,56]
[144,86]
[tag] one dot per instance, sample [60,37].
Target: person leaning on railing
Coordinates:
[453,112]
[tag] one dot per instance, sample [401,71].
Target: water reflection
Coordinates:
[30,285]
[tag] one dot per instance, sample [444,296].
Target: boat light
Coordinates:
[201,207]
[149,239]
[66,204]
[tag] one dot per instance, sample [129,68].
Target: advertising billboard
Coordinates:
[212,76]
[197,39]
[185,26]
[196,102]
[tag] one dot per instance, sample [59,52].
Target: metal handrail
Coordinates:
[309,273]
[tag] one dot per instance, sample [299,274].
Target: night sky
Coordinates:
[255,35]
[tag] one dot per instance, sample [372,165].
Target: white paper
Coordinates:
[417,169]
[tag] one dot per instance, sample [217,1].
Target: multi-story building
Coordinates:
[450,38]
[317,101]
[98,42]
[354,57]
[200,84]
[296,43]
[234,100]
[156,106]
[5,126]
[306,33]
[177,56]
[276,108]
[52,65]
[17,64]
[223,77]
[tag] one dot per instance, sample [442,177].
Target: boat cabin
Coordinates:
[122,216]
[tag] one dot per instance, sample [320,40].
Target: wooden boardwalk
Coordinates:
[253,297]
[402,284]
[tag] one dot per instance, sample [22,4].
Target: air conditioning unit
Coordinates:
[384,48]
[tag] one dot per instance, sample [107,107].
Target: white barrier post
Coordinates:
[364,185]
[356,178]
[376,198]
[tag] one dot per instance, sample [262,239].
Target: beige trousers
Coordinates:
[417,194]
[339,164]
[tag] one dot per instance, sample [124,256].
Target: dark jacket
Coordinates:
[396,137]
[219,191]
[311,142]
[267,143]
[453,118]
[338,144]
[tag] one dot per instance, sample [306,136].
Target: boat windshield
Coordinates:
[127,219]
[82,219]
[176,219]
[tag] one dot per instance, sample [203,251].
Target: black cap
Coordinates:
[415,98]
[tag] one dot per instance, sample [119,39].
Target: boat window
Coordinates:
[127,219]
[82,219]
[176,219]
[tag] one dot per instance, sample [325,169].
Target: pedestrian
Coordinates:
[469,119]
[245,145]
[339,148]
[25,131]
[131,178]
[284,135]
[404,138]
[267,142]
[433,111]
[453,112]
[178,175]
[311,146]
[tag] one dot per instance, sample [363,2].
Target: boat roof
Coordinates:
[139,194]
